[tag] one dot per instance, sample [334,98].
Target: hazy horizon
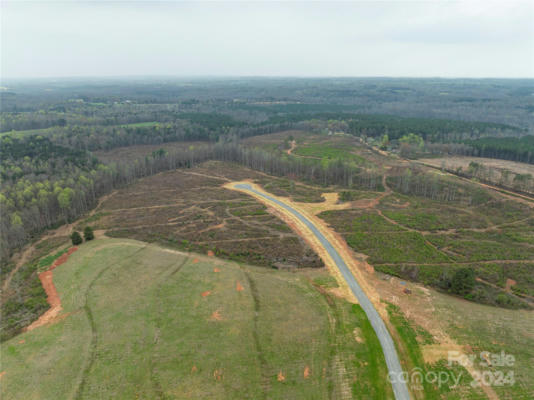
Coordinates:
[189,40]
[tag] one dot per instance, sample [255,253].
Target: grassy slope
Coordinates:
[409,339]
[137,326]
[494,330]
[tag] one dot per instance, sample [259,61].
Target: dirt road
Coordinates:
[392,360]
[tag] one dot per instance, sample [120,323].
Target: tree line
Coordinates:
[414,181]
[513,149]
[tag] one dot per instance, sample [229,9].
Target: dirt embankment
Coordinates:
[52,296]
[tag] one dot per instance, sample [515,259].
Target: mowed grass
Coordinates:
[140,321]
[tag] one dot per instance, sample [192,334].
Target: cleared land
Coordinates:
[506,175]
[492,235]
[427,240]
[142,321]
[189,210]
[455,162]
[417,235]
[316,146]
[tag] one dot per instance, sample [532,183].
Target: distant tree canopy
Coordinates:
[412,139]
[514,149]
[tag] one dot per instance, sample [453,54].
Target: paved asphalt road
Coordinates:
[392,360]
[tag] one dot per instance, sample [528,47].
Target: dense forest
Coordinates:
[501,101]
[514,149]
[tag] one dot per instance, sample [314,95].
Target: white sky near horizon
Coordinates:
[378,38]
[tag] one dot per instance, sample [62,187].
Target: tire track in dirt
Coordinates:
[334,356]
[265,378]
[156,385]
[92,324]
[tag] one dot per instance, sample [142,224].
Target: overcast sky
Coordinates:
[400,38]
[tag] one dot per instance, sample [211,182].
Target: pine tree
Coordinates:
[76,238]
[88,233]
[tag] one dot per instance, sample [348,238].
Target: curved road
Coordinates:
[392,360]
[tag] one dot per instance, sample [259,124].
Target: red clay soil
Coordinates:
[216,270]
[509,284]
[194,369]
[205,294]
[2,374]
[217,374]
[239,287]
[216,316]
[195,260]
[52,296]
[306,372]
[211,253]
[281,377]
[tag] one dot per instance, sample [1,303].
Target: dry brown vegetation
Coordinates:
[188,209]
[455,162]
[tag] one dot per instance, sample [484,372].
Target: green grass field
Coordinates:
[143,322]
[323,151]
[493,330]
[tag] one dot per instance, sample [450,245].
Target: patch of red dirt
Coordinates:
[281,377]
[22,341]
[216,270]
[217,374]
[211,253]
[63,258]
[216,316]
[194,369]
[206,293]
[2,374]
[195,260]
[306,373]
[239,287]
[509,284]
[60,260]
